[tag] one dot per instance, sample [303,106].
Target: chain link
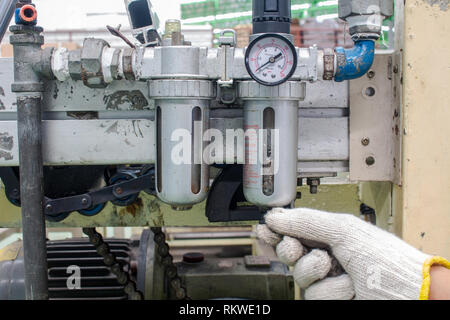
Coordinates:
[110,261]
[167,261]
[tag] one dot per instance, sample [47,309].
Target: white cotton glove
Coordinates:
[377,264]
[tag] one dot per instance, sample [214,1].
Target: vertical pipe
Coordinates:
[27,42]
[6,12]
[31,190]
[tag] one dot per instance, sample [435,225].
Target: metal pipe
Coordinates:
[26,15]
[28,57]
[29,119]
[6,12]
[355,62]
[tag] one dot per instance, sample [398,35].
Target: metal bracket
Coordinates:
[227,40]
[225,197]
[228,94]
[375,130]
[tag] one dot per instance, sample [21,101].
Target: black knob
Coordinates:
[272,16]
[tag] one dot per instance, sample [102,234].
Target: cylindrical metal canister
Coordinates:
[182,107]
[271,142]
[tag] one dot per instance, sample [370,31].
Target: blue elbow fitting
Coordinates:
[26,15]
[355,62]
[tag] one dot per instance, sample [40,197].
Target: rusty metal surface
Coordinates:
[128,64]
[328,64]
[149,211]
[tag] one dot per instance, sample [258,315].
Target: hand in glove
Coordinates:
[377,264]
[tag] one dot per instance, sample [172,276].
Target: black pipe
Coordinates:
[29,119]
[28,58]
[6,12]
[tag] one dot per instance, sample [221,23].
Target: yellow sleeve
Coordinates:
[425,289]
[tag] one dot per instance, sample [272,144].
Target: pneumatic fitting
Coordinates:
[26,15]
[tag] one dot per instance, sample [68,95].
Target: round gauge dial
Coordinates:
[271,59]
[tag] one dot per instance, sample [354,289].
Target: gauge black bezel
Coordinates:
[252,44]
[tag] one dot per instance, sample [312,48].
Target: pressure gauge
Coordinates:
[271,59]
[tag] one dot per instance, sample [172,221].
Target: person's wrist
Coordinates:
[436,279]
[440,283]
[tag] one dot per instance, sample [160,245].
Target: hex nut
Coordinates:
[348,8]
[115,64]
[75,64]
[91,63]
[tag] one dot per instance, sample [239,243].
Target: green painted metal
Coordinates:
[149,211]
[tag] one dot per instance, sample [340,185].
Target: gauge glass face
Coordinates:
[271,59]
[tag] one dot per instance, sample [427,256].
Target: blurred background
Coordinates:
[67,23]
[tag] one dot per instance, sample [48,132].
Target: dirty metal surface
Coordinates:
[375,131]
[115,141]
[86,142]
[7,98]
[149,211]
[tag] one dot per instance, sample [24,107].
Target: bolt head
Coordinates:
[370,74]
[365,141]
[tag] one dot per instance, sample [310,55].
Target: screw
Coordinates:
[84,201]
[49,208]
[119,190]
[365,141]
[371,74]
[313,183]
